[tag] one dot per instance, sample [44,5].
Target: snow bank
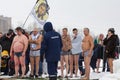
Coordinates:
[116,66]
[116,74]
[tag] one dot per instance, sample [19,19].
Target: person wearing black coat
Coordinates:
[110,45]
[5,42]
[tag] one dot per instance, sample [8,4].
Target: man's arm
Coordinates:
[38,40]
[25,41]
[91,44]
[11,48]
[30,39]
[70,43]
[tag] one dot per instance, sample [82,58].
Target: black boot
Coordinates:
[52,78]
[55,78]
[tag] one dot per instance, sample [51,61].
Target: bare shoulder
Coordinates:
[40,36]
[90,37]
[24,37]
[16,37]
[30,36]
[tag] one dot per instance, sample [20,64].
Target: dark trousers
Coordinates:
[105,62]
[94,60]
[40,68]
[81,59]
[52,70]
[5,69]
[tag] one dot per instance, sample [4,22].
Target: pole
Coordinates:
[26,20]
[29,15]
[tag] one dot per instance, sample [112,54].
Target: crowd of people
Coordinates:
[39,48]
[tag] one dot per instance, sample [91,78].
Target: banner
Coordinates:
[40,11]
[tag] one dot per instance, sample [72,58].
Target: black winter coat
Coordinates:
[110,45]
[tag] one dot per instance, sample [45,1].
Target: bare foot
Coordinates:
[15,76]
[98,71]
[84,78]
[71,76]
[62,76]
[23,76]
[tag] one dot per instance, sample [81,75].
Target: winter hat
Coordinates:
[111,30]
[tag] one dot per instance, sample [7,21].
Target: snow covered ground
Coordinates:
[115,75]
[93,75]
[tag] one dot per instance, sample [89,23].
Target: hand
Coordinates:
[74,36]
[106,51]
[23,54]
[62,49]
[8,36]
[31,49]
[108,36]
[10,54]
[83,54]
[90,54]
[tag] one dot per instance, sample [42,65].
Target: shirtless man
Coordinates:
[87,47]
[18,48]
[35,45]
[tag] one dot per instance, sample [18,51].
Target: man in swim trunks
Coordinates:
[35,40]
[19,47]
[87,47]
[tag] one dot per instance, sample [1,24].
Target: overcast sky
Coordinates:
[98,15]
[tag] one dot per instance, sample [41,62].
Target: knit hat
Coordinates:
[111,30]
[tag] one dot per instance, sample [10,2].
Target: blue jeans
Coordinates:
[81,59]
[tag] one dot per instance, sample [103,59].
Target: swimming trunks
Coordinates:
[18,54]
